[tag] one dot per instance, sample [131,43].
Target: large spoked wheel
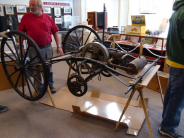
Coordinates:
[24,72]
[76,38]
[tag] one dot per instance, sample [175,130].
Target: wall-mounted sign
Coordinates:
[56,3]
[138,20]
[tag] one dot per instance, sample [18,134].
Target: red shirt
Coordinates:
[38,28]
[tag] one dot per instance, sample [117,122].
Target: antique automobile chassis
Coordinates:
[84,57]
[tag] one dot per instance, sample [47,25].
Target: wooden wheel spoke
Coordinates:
[23,83]
[12,51]
[18,79]
[31,83]
[74,41]
[29,62]
[87,38]
[34,77]
[28,85]
[77,37]
[15,46]
[12,74]
[73,45]
[21,39]
[11,65]
[82,36]
[12,59]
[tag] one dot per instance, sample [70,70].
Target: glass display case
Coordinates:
[69,21]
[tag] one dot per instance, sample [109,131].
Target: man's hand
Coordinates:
[60,51]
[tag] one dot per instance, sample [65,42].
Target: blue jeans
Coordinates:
[174,99]
[45,53]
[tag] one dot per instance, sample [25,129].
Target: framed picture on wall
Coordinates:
[1,10]
[67,9]
[58,21]
[47,10]
[57,11]
[9,10]
[67,18]
[21,8]
[19,17]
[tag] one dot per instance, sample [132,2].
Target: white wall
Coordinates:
[26,2]
[123,15]
[14,2]
[76,8]
[117,15]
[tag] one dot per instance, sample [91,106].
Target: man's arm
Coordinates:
[56,37]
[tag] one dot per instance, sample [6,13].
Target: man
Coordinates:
[174,96]
[39,27]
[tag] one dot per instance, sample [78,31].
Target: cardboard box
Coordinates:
[102,106]
[136,29]
[164,79]
[138,25]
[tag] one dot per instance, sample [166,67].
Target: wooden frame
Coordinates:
[1,10]
[67,9]
[47,10]
[57,11]
[9,9]
[21,8]
[58,20]
[92,19]
[19,17]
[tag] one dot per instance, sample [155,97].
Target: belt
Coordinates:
[44,46]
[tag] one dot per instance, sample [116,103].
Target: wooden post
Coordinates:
[141,48]
[113,42]
[139,89]
[50,95]
[161,93]
[126,106]
[113,39]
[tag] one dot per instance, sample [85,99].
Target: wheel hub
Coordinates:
[19,68]
[96,51]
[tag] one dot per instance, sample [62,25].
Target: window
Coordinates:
[153,21]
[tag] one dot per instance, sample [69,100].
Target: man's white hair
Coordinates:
[40,4]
